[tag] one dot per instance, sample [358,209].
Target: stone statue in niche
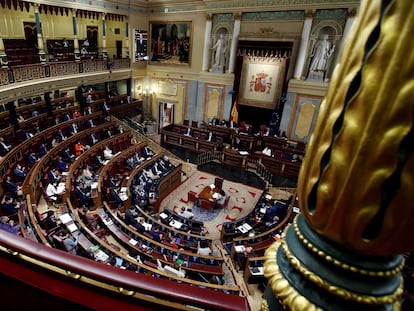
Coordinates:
[321,53]
[220,53]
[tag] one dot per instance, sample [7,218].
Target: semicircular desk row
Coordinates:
[137,243]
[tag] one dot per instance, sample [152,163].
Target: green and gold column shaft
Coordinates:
[356,185]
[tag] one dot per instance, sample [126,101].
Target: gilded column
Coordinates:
[40,45]
[304,40]
[355,188]
[233,50]
[207,40]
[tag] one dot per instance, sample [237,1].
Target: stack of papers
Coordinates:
[239,248]
[65,218]
[133,242]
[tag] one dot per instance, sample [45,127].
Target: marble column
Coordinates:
[207,42]
[300,61]
[104,51]
[348,24]
[40,45]
[233,49]
[75,36]
[3,56]
[126,40]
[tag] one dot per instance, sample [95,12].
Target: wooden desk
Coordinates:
[206,197]
[207,193]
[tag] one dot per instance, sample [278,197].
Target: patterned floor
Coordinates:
[242,200]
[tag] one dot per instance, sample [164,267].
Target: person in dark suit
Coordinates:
[66,117]
[4,147]
[130,219]
[232,124]
[93,139]
[237,144]
[8,207]
[53,176]
[32,158]
[61,165]
[42,150]
[19,172]
[67,155]
[90,123]
[11,187]
[215,121]
[61,135]
[115,197]
[84,195]
[188,133]
[147,152]
[73,129]
[27,135]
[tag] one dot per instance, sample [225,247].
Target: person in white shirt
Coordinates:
[188,133]
[203,248]
[108,155]
[210,136]
[267,151]
[54,192]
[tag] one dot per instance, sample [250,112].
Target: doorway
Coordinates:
[118,48]
[165,114]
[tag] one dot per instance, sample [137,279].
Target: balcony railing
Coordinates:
[40,71]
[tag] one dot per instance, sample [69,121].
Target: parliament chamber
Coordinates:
[110,113]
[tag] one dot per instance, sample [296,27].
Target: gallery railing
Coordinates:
[100,286]
[40,71]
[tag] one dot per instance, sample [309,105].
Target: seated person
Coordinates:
[54,176]
[54,192]
[93,139]
[115,197]
[33,158]
[79,148]
[73,129]
[83,194]
[12,187]
[42,150]
[87,176]
[50,220]
[9,207]
[221,198]
[267,151]
[186,213]
[4,147]
[89,219]
[209,136]
[27,135]
[55,141]
[214,121]
[203,248]
[223,123]
[69,241]
[61,165]
[90,123]
[67,155]
[147,152]
[131,219]
[19,172]
[8,224]
[188,133]
[140,196]
[108,155]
